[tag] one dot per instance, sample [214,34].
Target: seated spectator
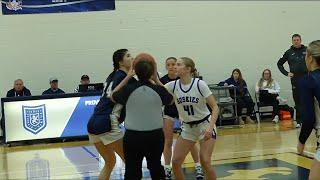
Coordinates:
[54,89]
[84,80]
[268,90]
[243,97]
[18,89]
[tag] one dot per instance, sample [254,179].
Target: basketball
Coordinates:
[144,57]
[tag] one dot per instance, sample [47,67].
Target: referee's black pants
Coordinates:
[140,144]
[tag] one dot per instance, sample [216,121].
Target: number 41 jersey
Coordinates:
[190,99]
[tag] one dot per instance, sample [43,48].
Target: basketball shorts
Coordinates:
[196,132]
[109,137]
[166,117]
[317,154]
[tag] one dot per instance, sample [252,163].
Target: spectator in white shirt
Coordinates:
[268,90]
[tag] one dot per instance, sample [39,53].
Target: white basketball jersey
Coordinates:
[189,100]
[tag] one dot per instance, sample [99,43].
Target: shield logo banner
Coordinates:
[34,118]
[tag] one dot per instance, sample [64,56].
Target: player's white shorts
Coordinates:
[196,132]
[166,117]
[109,137]
[317,154]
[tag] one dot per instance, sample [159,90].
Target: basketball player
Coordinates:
[171,115]
[310,97]
[110,142]
[191,97]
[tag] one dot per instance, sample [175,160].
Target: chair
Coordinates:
[227,105]
[262,107]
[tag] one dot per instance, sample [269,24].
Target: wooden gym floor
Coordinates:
[265,151]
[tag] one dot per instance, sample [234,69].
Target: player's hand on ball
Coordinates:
[155,73]
[131,72]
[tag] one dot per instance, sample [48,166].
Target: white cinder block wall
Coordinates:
[220,36]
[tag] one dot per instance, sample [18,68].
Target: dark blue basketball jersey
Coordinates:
[309,93]
[169,110]
[100,120]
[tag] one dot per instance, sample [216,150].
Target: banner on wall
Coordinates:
[46,118]
[54,6]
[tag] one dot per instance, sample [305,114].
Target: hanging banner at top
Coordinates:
[54,6]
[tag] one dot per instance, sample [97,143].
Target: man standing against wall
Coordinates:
[295,57]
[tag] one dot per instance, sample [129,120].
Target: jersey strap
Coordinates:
[199,87]
[174,86]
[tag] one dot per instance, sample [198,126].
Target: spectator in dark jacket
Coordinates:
[18,89]
[85,80]
[243,97]
[54,87]
[295,58]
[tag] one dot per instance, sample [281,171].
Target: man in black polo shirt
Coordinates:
[295,57]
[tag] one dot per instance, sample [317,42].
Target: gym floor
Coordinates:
[265,151]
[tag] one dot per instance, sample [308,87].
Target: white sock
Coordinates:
[167,166]
[197,164]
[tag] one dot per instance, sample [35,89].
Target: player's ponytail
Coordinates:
[117,57]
